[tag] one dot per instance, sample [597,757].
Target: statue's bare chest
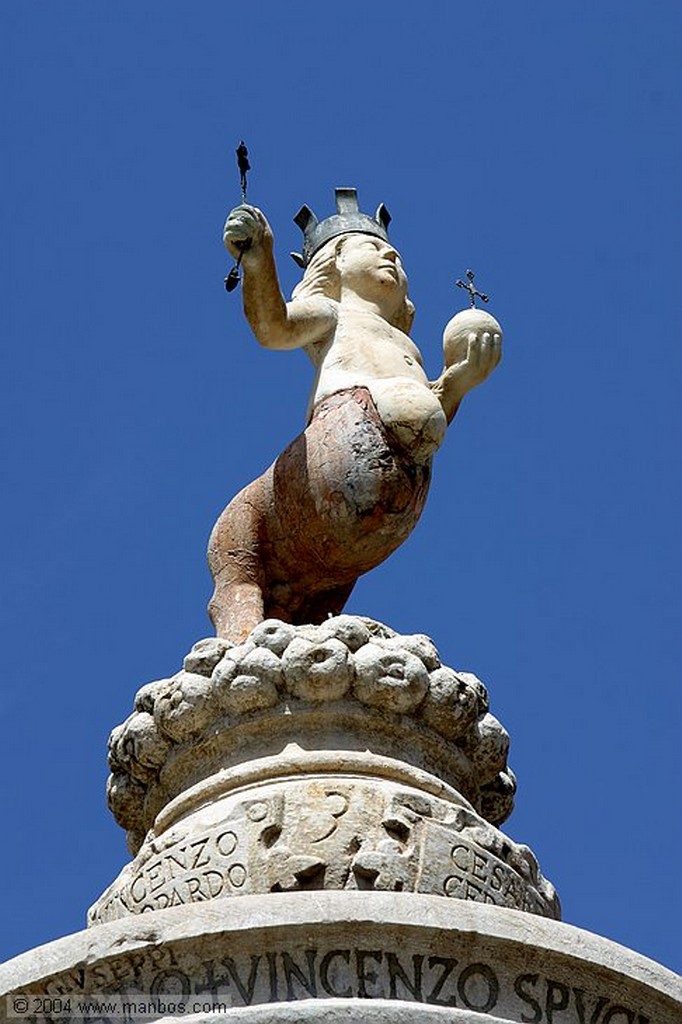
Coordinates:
[366,341]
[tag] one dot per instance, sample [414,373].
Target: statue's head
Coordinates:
[348,219]
[366,265]
[350,251]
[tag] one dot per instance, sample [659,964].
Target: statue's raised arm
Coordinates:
[350,489]
[275,323]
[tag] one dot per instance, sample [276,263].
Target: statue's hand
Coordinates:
[246,230]
[472,348]
[483,353]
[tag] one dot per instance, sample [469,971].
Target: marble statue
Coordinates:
[349,489]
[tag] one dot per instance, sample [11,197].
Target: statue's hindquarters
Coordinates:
[319,517]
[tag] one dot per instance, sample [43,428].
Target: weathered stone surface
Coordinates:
[125,798]
[347,829]
[349,629]
[423,647]
[389,957]
[250,683]
[320,516]
[205,655]
[274,635]
[344,682]
[146,696]
[138,747]
[317,670]
[333,756]
[187,707]
[452,704]
[392,679]
[488,747]
[497,797]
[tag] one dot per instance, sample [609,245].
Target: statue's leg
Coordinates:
[236,606]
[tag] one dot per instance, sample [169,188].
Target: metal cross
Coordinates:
[471,288]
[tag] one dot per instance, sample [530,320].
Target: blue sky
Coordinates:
[540,144]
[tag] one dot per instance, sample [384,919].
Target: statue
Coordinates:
[350,489]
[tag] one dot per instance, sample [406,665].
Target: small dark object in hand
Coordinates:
[232,279]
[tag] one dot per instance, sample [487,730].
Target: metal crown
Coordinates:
[347,219]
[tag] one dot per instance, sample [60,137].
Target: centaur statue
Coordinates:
[350,489]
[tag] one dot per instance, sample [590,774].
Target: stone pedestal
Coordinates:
[334,757]
[345,957]
[313,817]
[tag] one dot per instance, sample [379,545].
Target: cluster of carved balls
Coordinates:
[345,658]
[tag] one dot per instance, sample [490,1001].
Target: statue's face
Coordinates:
[371,267]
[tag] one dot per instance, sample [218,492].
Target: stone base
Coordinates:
[342,756]
[321,820]
[347,956]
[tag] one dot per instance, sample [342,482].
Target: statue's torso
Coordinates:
[365,350]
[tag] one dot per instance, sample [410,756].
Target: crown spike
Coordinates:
[382,216]
[348,219]
[306,219]
[347,201]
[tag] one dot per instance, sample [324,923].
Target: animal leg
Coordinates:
[236,606]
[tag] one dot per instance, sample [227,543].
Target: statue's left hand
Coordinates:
[483,353]
[472,347]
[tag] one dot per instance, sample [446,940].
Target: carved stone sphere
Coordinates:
[457,331]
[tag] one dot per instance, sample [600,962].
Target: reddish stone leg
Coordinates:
[235,608]
[234,559]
